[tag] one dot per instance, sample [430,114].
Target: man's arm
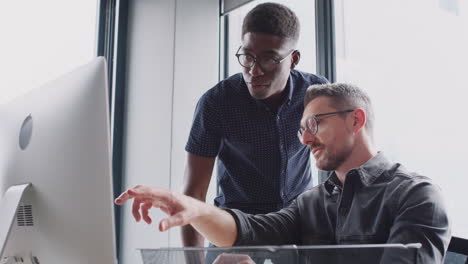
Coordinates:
[198,172]
[217,225]
[278,228]
[421,218]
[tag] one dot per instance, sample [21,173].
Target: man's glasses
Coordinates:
[312,123]
[266,63]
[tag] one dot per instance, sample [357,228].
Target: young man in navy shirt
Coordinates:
[249,121]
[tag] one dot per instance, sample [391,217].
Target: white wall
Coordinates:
[172,60]
[196,70]
[35,49]
[415,73]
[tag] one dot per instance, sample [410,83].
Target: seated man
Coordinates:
[366,200]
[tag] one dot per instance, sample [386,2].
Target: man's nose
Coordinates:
[256,70]
[307,138]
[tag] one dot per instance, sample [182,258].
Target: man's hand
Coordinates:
[226,258]
[180,208]
[217,225]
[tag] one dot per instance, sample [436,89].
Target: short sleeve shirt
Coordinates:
[261,166]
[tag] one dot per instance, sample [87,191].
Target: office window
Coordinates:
[42,40]
[411,58]
[305,11]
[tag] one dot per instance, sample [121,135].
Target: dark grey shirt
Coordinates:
[380,202]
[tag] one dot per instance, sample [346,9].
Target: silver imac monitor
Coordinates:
[56,195]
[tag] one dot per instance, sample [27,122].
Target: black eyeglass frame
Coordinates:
[301,130]
[255,60]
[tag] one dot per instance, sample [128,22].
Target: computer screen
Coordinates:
[57,138]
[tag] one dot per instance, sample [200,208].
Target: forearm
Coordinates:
[197,178]
[216,225]
[278,228]
[191,237]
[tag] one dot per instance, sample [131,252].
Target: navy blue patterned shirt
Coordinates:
[261,165]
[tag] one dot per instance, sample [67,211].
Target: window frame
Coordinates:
[112,44]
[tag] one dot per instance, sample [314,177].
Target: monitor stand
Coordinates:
[8,207]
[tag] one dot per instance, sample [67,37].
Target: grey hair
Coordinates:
[343,96]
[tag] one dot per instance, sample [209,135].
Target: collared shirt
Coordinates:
[378,203]
[261,164]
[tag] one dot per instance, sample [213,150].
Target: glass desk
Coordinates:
[291,254]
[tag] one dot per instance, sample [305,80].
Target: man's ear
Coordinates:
[359,119]
[296,57]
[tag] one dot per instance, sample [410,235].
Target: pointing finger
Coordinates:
[125,196]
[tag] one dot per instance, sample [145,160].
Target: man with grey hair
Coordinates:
[366,200]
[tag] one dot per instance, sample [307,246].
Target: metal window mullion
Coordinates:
[120,69]
[112,44]
[105,43]
[325,39]
[325,52]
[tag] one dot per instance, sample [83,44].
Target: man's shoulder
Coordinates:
[307,78]
[315,193]
[406,182]
[226,88]
[402,174]
[230,84]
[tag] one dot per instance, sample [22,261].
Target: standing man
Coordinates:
[249,122]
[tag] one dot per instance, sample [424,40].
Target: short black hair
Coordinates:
[272,18]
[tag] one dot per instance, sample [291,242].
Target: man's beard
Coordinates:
[332,161]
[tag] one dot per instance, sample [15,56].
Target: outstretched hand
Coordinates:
[218,226]
[181,209]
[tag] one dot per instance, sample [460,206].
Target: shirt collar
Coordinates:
[368,172]
[332,183]
[373,168]
[290,87]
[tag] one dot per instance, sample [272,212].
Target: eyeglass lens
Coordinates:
[248,61]
[311,124]
[311,127]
